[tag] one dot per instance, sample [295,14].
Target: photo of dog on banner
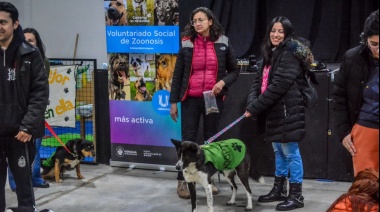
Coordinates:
[119,78]
[140,12]
[116,13]
[166,13]
[142,72]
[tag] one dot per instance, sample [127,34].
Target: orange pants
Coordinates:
[366,142]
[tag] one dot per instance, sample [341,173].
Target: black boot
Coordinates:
[278,192]
[294,200]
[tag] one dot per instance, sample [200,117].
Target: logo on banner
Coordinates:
[161,102]
[120,151]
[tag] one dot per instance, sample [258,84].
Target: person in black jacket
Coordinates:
[24,92]
[33,37]
[356,99]
[205,62]
[275,99]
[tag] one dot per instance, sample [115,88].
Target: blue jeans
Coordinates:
[288,159]
[36,172]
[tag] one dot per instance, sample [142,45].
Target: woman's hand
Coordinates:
[247,114]
[174,111]
[349,145]
[218,87]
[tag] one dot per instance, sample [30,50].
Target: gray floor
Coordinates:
[107,188]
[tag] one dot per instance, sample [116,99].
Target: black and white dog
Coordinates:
[139,4]
[200,163]
[139,66]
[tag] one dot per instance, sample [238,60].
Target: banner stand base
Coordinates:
[131,165]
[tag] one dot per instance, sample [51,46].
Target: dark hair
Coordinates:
[371,26]
[9,8]
[40,45]
[266,47]
[364,191]
[215,29]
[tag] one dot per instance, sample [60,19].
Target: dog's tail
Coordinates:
[256,175]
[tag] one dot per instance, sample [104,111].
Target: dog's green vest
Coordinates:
[225,155]
[49,161]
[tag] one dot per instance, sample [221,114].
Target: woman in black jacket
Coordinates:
[276,100]
[356,99]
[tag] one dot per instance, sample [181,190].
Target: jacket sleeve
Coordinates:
[38,94]
[231,66]
[340,113]
[177,78]
[254,92]
[284,77]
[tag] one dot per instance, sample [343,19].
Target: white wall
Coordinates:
[59,22]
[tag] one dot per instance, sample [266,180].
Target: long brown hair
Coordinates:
[363,193]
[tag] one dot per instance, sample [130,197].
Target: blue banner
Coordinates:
[142,39]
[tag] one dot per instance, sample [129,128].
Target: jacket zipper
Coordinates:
[286,115]
[4,57]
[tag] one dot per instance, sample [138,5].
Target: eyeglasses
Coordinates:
[372,46]
[195,21]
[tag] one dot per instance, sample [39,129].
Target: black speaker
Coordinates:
[102,117]
[314,146]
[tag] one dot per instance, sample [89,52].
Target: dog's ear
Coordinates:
[195,147]
[112,58]
[176,143]
[138,60]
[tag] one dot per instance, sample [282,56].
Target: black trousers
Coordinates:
[13,153]
[192,110]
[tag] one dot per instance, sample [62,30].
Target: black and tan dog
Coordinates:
[119,84]
[142,94]
[116,14]
[62,160]
[200,163]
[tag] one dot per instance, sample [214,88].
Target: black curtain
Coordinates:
[332,26]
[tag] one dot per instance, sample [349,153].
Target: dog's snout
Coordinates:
[179,165]
[113,13]
[123,65]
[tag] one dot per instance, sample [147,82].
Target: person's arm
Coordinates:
[340,112]
[284,77]
[177,81]
[177,78]
[231,66]
[38,97]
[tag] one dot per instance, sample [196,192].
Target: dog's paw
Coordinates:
[59,181]
[247,209]
[230,203]
[80,176]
